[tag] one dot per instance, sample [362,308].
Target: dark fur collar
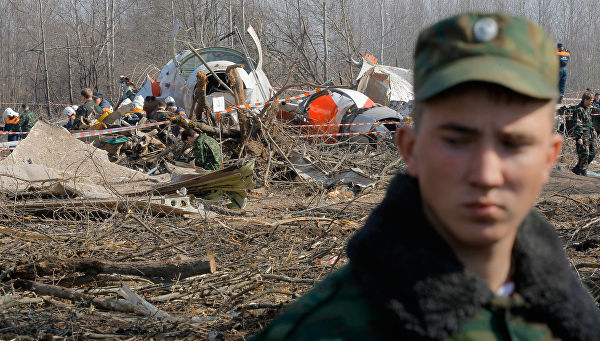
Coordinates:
[401,260]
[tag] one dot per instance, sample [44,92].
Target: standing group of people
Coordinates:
[15,122]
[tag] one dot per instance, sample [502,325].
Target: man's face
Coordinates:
[97,100]
[172,109]
[480,164]
[587,102]
[597,97]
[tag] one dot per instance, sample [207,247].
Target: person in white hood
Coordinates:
[11,123]
[70,112]
[7,112]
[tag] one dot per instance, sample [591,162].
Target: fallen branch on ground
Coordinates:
[168,270]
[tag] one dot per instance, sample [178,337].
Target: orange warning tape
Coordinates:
[258,105]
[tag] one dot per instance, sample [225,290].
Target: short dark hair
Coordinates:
[498,93]
[187,134]
[587,95]
[87,93]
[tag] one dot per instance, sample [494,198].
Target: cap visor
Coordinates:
[491,69]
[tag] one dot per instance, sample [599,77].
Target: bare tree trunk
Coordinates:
[111,66]
[193,6]
[35,80]
[107,40]
[69,68]
[347,28]
[243,19]
[172,14]
[80,52]
[382,37]
[325,47]
[44,55]
[230,23]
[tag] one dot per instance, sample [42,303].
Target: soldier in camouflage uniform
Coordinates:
[584,134]
[27,119]
[207,152]
[456,251]
[88,112]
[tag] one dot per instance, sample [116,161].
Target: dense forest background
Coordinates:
[53,48]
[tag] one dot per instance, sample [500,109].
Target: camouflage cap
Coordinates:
[495,48]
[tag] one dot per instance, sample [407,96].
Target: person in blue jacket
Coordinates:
[564,56]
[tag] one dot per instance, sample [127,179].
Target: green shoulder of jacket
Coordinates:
[335,309]
[338,309]
[505,318]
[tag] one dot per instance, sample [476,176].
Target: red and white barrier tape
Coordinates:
[13,133]
[35,104]
[8,148]
[103,132]
[570,115]
[339,124]
[98,132]
[258,105]
[341,134]
[115,130]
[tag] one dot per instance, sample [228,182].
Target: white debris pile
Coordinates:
[51,156]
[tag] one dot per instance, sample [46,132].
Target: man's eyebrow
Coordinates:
[459,128]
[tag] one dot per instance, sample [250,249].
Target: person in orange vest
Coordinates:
[12,124]
[101,102]
[564,56]
[136,115]
[70,112]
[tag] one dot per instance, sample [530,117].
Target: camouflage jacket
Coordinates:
[207,153]
[27,120]
[583,122]
[405,283]
[88,112]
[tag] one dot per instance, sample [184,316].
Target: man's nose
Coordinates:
[485,169]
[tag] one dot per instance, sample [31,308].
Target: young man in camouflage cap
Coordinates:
[455,250]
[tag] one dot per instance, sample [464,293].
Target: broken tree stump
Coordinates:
[200,106]
[203,127]
[90,266]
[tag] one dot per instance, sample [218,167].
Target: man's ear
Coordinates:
[404,139]
[553,154]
